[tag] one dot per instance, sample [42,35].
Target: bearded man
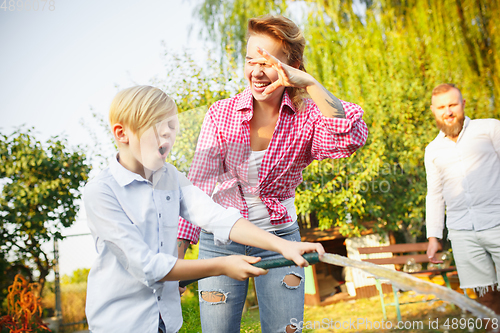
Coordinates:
[463,177]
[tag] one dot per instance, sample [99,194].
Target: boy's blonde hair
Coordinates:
[140,107]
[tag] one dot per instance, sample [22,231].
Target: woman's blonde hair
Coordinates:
[292,41]
[140,107]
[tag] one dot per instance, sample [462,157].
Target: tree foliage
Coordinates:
[227,22]
[79,275]
[389,65]
[387,59]
[39,197]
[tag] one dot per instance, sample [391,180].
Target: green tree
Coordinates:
[389,63]
[80,275]
[226,21]
[387,59]
[40,195]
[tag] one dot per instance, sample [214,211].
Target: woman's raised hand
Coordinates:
[288,76]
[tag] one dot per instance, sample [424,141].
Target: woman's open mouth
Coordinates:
[260,86]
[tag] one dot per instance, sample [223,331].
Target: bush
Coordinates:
[24,308]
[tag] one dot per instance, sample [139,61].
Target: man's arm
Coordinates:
[495,135]
[432,250]
[435,208]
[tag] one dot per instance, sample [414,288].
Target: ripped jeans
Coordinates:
[222,298]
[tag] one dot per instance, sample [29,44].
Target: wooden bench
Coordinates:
[401,254]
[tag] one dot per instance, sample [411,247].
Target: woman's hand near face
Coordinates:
[288,76]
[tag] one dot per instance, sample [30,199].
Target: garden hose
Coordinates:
[312,258]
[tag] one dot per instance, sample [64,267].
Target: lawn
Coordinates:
[363,315]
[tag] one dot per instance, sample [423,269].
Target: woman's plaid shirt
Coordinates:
[220,164]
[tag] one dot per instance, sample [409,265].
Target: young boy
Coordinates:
[133,208]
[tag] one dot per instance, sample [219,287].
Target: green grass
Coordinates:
[319,319]
[190,310]
[250,322]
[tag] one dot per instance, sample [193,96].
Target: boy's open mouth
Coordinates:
[163,148]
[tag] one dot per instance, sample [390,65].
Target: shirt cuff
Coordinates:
[434,232]
[188,231]
[160,265]
[337,125]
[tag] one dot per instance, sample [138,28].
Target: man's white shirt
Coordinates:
[463,178]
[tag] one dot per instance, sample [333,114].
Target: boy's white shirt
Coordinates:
[134,224]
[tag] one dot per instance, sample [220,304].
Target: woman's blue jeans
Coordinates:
[222,298]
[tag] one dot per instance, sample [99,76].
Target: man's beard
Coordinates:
[451,130]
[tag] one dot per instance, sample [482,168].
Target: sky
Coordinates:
[64,61]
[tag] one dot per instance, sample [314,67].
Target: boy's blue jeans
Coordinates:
[222,298]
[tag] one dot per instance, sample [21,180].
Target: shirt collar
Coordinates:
[466,123]
[245,103]
[123,176]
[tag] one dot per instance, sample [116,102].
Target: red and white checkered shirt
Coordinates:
[221,158]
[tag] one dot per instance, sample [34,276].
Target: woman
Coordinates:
[250,155]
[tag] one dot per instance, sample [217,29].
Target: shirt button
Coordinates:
[159,297]
[168,197]
[159,214]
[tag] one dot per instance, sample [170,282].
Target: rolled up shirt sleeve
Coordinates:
[339,137]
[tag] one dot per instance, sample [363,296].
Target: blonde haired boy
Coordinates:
[133,209]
